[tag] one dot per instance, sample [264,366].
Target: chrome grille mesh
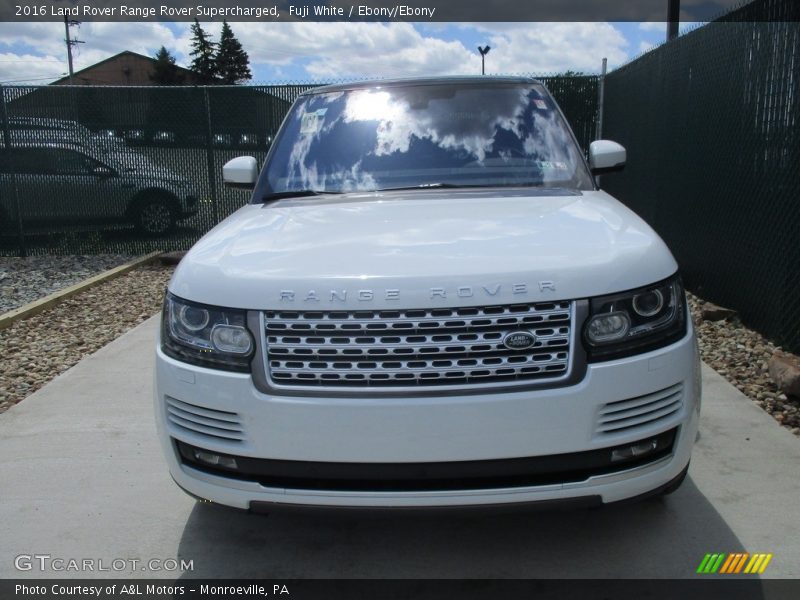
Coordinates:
[420,347]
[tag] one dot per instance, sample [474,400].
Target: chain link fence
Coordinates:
[710,122]
[167,146]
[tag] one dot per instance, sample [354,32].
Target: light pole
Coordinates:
[484,51]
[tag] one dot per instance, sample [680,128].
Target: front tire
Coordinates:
[155,217]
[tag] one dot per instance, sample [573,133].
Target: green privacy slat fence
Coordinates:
[710,122]
[176,133]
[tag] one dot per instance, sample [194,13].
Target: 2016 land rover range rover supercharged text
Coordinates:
[427,302]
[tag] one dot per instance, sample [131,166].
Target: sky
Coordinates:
[35,53]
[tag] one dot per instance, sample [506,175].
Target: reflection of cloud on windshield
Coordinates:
[365,139]
[306,175]
[355,180]
[313,126]
[552,141]
[311,177]
[452,122]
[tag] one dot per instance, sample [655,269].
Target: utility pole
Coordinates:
[484,51]
[70,42]
[673,18]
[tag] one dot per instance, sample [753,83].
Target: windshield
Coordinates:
[424,135]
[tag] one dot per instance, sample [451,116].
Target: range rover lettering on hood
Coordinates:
[366,295]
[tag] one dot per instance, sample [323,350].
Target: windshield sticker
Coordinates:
[311,122]
[540,104]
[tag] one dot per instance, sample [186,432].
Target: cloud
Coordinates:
[659,26]
[645,47]
[42,41]
[330,51]
[553,47]
[27,68]
[339,50]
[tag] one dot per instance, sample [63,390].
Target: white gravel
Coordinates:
[37,349]
[741,356]
[24,280]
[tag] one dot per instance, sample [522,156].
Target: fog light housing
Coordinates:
[233,339]
[633,451]
[608,327]
[214,460]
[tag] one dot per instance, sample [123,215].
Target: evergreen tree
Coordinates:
[203,63]
[232,62]
[164,71]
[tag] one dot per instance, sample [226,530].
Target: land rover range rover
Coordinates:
[427,302]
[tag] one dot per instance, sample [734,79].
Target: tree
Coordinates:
[203,63]
[164,71]
[232,63]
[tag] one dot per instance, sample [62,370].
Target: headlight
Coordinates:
[206,335]
[636,321]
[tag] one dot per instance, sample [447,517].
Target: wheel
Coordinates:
[155,217]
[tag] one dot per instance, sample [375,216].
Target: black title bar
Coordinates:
[377,10]
[710,588]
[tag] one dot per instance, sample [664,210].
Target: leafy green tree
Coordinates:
[203,50]
[164,71]
[231,61]
[571,73]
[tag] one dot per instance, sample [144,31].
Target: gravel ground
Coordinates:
[24,280]
[37,349]
[742,357]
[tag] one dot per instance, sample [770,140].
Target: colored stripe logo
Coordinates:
[731,564]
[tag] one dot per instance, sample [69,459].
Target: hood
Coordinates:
[422,249]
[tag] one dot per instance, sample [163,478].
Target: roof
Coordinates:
[460,80]
[150,59]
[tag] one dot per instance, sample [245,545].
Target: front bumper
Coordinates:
[225,413]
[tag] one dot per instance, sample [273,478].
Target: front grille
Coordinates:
[419,347]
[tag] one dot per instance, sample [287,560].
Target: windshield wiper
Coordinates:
[440,186]
[429,186]
[293,194]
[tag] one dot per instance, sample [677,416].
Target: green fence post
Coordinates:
[212,175]
[7,144]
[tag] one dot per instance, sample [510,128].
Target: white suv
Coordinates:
[427,302]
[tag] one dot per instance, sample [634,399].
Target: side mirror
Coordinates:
[240,172]
[606,156]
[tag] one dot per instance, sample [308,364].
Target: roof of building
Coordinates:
[80,74]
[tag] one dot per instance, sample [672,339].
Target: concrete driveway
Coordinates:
[82,477]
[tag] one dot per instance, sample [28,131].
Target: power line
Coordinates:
[33,78]
[30,60]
